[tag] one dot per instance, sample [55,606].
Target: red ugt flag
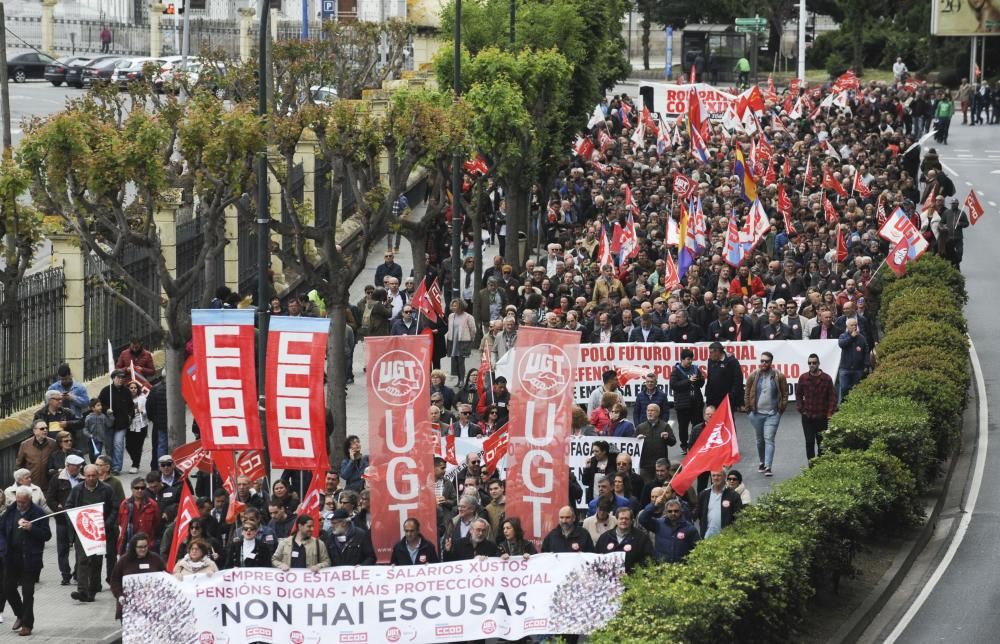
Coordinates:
[974,207]
[898,256]
[188,510]
[715,448]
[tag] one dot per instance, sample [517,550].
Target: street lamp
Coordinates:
[263,225]
[456,170]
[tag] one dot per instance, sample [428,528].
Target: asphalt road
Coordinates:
[962,607]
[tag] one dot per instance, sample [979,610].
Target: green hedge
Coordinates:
[924,303]
[902,425]
[751,583]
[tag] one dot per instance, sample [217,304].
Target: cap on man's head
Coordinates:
[119,373]
[166,459]
[73,459]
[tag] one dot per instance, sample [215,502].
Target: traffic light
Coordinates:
[169,9]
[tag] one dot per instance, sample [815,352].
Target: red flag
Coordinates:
[772,95]
[692,77]
[786,169]
[841,245]
[785,208]
[604,140]
[715,449]
[898,256]
[831,183]
[313,501]
[296,413]
[495,448]
[476,166]
[192,455]
[187,510]
[684,186]
[584,147]
[604,250]
[224,345]
[616,238]
[974,207]
[541,395]
[860,186]
[770,176]
[251,465]
[880,213]
[402,477]
[670,278]
[422,303]
[831,213]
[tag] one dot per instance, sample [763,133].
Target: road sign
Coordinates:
[741,29]
[752,22]
[329,10]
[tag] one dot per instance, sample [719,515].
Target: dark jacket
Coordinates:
[673,542]
[156,406]
[118,401]
[617,335]
[729,511]
[464,549]
[79,497]
[688,333]
[654,447]
[853,352]
[34,539]
[636,545]
[357,548]
[724,378]
[73,424]
[655,335]
[425,553]
[260,558]
[644,399]
[129,565]
[578,540]
[687,394]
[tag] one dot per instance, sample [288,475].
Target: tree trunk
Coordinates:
[645,38]
[176,410]
[517,219]
[336,386]
[477,247]
[418,246]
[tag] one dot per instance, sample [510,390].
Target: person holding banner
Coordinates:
[347,544]
[475,545]
[413,549]
[88,567]
[625,537]
[250,551]
[138,559]
[302,549]
[675,536]
[24,529]
[196,562]
[513,543]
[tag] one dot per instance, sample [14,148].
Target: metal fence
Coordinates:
[246,244]
[108,318]
[31,340]
[190,239]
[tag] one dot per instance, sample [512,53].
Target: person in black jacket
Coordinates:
[717,498]
[23,533]
[626,538]
[57,417]
[348,544]
[248,552]
[117,401]
[413,549]
[567,536]
[724,378]
[88,567]
[686,382]
[156,412]
[475,544]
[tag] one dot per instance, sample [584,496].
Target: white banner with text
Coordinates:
[446,602]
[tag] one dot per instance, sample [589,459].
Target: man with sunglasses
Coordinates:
[765,400]
[816,400]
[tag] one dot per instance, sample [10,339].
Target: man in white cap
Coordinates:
[60,488]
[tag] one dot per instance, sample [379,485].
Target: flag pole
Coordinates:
[884,262]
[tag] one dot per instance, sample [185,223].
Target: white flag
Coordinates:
[88,521]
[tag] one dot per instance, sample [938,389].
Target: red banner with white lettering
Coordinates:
[226,382]
[402,442]
[251,464]
[296,409]
[187,510]
[541,406]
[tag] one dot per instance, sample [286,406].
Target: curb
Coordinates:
[879,596]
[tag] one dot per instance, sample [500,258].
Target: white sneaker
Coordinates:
[133,470]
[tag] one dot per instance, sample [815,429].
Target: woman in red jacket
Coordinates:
[136,514]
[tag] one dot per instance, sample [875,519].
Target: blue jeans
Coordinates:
[765,427]
[846,379]
[118,450]
[159,447]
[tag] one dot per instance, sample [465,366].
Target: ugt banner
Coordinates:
[541,407]
[632,360]
[226,382]
[296,409]
[401,475]
[442,602]
[88,522]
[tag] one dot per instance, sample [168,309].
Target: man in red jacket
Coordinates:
[135,354]
[136,514]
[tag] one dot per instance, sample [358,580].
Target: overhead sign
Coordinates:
[329,10]
[669,100]
[958,18]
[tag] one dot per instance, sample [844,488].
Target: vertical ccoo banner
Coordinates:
[541,407]
[226,383]
[401,477]
[296,408]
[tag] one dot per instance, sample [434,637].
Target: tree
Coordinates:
[106,164]
[541,78]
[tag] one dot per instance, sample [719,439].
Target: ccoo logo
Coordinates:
[543,371]
[90,524]
[397,378]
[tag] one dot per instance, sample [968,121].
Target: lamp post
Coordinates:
[263,227]
[456,170]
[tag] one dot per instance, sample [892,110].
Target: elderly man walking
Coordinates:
[23,533]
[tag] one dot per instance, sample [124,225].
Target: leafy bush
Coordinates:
[903,426]
[932,359]
[836,64]
[920,334]
[926,303]
[929,270]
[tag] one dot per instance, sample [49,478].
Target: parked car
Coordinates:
[103,70]
[74,73]
[56,72]
[134,71]
[323,95]
[193,73]
[30,65]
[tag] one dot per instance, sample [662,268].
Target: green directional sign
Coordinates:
[752,22]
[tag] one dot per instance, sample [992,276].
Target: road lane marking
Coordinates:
[953,173]
[993,203]
[980,193]
[970,504]
[968,183]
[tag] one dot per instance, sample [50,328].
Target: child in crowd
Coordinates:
[96,426]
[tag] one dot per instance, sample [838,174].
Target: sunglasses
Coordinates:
[813,362]
[732,478]
[66,440]
[139,487]
[765,362]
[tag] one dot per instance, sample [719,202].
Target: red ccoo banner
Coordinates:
[296,411]
[541,407]
[401,478]
[226,383]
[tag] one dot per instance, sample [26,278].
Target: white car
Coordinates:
[134,71]
[323,94]
[174,68]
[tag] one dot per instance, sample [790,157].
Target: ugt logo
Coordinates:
[397,378]
[543,371]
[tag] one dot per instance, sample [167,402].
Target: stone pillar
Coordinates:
[246,44]
[231,254]
[48,27]
[165,219]
[67,253]
[155,37]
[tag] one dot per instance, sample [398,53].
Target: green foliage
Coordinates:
[835,64]
[929,270]
[902,425]
[954,368]
[920,334]
[923,303]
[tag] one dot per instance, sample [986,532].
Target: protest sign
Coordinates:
[446,602]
